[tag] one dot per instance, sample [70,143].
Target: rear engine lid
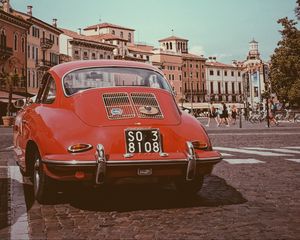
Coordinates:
[121,106]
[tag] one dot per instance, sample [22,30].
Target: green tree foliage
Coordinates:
[285,62]
[297,10]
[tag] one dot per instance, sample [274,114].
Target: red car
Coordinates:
[108,121]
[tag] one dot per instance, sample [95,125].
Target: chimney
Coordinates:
[79,31]
[214,59]
[6,6]
[54,22]
[29,10]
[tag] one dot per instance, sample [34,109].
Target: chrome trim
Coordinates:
[101,164]
[191,167]
[128,155]
[75,163]
[70,163]
[163,154]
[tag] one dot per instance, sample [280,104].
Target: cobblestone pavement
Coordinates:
[253,194]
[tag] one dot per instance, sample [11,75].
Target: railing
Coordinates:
[46,43]
[44,63]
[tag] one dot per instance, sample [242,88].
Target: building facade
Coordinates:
[75,46]
[224,82]
[185,71]
[13,51]
[42,48]
[171,66]
[117,35]
[255,77]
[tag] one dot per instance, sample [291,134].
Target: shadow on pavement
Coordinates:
[123,198]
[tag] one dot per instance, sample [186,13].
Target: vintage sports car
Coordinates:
[106,121]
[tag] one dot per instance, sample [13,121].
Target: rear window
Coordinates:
[84,79]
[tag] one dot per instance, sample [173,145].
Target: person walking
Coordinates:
[224,115]
[272,112]
[233,114]
[212,113]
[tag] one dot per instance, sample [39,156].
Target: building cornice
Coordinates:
[18,21]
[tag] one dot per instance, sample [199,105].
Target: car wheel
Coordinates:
[41,182]
[190,187]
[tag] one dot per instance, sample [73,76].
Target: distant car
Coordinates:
[106,121]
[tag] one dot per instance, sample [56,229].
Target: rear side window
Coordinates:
[50,91]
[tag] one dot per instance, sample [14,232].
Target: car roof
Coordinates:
[64,68]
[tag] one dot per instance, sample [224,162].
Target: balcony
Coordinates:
[5,53]
[43,64]
[46,43]
[194,92]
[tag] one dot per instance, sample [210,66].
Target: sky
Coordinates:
[220,28]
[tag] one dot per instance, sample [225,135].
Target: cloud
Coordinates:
[198,50]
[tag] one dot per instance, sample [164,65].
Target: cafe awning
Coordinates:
[4,96]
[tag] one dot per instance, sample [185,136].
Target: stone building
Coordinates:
[224,82]
[13,51]
[255,77]
[76,46]
[42,48]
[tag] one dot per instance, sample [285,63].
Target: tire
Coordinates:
[42,184]
[190,187]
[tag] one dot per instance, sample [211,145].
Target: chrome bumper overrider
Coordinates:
[101,163]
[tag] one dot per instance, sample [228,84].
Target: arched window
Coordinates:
[3,38]
[129,37]
[23,44]
[15,42]
[167,46]
[170,45]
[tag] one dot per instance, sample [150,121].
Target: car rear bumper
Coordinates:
[102,170]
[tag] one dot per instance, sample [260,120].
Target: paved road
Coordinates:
[253,194]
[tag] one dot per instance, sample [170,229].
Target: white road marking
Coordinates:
[293,147]
[251,134]
[226,154]
[274,149]
[242,161]
[19,228]
[239,150]
[294,160]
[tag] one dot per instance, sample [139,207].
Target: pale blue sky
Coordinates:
[221,28]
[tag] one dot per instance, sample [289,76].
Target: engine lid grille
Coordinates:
[123,106]
[118,106]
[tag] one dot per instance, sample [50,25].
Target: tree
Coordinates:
[297,10]
[285,62]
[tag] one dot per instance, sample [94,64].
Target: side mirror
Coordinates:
[20,103]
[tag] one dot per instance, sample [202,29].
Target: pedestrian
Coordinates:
[272,112]
[212,113]
[224,115]
[233,114]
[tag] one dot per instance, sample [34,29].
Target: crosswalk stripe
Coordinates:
[274,149]
[19,228]
[240,150]
[293,147]
[294,160]
[243,161]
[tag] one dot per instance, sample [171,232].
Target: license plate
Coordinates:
[142,140]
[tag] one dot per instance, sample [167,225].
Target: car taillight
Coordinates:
[200,145]
[79,147]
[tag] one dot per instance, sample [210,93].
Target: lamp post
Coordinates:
[240,111]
